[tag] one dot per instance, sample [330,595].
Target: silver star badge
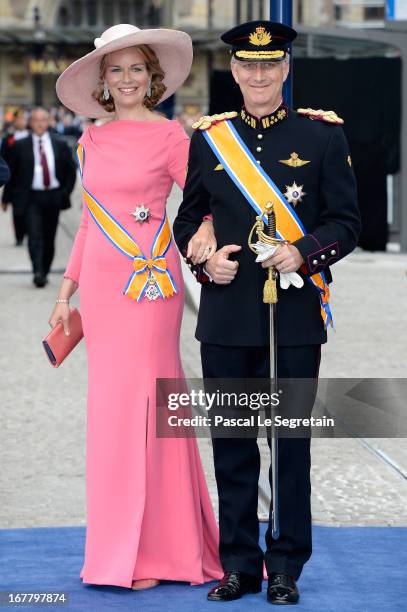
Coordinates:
[141,213]
[294,193]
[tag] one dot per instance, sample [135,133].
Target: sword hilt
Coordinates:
[270,286]
[271,218]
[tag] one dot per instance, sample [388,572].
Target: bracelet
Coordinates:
[61,301]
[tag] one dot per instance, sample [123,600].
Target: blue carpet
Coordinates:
[353,569]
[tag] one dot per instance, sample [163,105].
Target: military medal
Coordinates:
[295,161]
[141,213]
[294,193]
[152,292]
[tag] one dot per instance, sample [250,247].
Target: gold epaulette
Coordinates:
[321,115]
[206,121]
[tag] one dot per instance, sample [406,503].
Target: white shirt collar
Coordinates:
[44,137]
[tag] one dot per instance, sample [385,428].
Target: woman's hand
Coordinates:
[202,244]
[61,313]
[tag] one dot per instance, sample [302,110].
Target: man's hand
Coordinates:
[287,258]
[220,268]
[202,244]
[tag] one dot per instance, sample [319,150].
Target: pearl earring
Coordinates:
[149,89]
[106,93]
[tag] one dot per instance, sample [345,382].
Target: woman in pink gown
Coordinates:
[149,515]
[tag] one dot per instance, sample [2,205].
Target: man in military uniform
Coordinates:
[306,157]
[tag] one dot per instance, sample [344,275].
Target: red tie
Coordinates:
[44,164]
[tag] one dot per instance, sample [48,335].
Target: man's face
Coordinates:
[261,83]
[20,122]
[39,121]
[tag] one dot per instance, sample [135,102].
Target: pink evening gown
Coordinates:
[149,513]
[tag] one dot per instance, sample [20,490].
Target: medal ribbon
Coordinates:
[258,189]
[146,271]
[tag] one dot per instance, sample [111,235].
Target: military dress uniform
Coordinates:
[306,155]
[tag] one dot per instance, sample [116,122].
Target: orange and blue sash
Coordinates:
[258,189]
[146,271]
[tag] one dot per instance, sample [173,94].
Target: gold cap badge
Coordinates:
[260,37]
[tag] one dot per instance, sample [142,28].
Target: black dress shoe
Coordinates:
[282,590]
[233,585]
[39,280]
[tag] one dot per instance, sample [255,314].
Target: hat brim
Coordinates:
[77,83]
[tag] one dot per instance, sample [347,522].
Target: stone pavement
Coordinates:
[43,411]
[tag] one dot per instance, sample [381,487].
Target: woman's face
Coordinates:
[127,77]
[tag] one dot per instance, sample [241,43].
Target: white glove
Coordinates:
[264,251]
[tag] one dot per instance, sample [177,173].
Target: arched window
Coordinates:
[107,13]
[139,11]
[124,11]
[77,12]
[63,17]
[91,12]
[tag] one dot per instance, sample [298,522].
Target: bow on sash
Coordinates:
[147,273]
[257,187]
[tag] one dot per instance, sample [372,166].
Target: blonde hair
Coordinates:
[156,74]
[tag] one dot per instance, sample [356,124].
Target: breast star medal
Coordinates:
[141,213]
[294,193]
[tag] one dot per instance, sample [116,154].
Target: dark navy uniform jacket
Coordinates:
[4,172]
[234,314]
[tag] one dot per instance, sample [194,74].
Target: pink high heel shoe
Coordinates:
[147,583]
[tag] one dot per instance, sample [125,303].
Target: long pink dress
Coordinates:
[148,510]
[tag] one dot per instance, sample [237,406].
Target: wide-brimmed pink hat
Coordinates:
[77,83]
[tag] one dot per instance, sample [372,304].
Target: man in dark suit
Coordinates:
[43,176]
[4,172]
[306,156]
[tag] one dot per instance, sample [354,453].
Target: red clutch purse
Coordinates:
[57,345]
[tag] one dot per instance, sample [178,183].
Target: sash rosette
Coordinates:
[147,272]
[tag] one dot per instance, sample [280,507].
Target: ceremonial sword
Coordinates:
[270,298]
